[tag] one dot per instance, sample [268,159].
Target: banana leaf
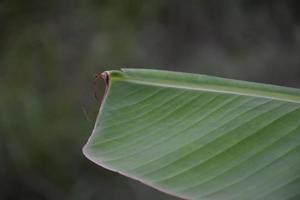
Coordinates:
[199,137]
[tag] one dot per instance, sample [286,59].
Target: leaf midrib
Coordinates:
[205,83]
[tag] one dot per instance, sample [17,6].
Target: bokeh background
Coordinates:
[51,49]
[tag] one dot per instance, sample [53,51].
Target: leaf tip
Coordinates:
[105,76]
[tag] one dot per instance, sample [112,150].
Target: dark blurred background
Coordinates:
[51,49]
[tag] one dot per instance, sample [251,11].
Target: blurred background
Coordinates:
[51,49]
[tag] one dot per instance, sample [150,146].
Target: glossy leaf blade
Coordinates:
[200,137]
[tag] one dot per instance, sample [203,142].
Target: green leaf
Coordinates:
[200,137]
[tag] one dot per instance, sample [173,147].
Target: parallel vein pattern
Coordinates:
[181,134]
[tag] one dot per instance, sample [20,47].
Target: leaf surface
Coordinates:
[200,137]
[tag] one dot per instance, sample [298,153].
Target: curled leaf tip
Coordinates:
[105,77]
